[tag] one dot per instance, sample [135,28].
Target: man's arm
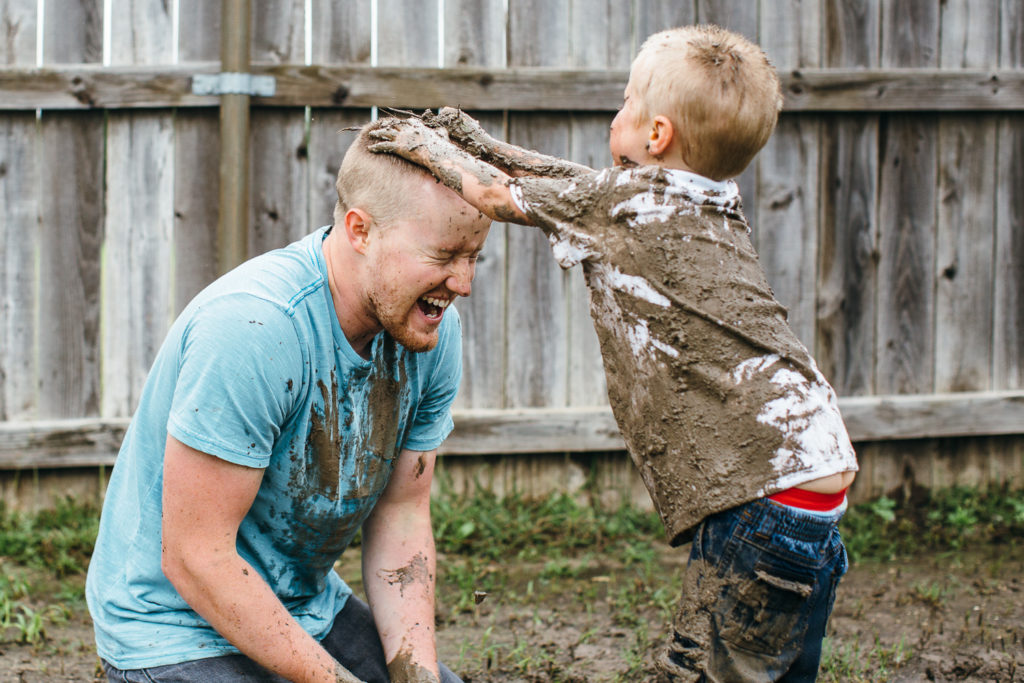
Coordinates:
[466,132]
[399,565]
[204,501]
[476,181]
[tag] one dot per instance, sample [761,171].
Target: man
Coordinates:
[297,399]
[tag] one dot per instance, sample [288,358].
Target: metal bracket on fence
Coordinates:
[233,83]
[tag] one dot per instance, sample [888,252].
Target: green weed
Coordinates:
[950,519]
[851,664]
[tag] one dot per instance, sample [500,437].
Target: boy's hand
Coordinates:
[462,128]
[409,138]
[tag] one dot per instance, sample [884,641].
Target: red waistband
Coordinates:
[809,500]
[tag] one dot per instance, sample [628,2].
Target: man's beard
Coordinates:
[394,323]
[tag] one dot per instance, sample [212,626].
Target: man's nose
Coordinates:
[460,279]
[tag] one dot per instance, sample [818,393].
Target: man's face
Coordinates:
[418,265]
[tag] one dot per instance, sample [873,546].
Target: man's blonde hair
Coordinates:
[386,186]
[719,90]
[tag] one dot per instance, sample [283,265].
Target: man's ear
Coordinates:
[357,229]
[661,137]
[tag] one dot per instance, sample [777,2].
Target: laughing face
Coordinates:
[419,265]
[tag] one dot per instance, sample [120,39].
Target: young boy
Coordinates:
[734,430]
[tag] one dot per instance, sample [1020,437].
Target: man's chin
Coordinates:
[415,342]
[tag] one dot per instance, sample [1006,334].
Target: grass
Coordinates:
[609,556]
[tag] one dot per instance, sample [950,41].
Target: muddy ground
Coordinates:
[951,617]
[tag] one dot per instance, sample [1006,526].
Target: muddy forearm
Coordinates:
[513,160]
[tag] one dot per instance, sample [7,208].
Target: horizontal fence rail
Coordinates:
[92,442]
[518,89]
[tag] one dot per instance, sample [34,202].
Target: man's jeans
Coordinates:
[352,640]
[757,594]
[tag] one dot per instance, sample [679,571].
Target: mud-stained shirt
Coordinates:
[717,400]
[258,372]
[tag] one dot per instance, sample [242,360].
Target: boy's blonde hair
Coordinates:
[719,90]
[384,185]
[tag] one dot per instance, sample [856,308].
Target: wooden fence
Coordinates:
[888,210]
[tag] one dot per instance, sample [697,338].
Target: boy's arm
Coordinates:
[467,133]
[476,181]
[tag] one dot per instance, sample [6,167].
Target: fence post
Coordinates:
[232,226]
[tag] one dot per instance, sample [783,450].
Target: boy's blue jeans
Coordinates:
[757,594]
[352,640]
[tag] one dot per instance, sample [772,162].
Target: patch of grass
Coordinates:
[59,540]
[945,520]
[852,663]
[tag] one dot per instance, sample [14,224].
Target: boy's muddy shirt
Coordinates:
[717,400]
[258,372]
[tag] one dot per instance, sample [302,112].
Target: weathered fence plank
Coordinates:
[537,288]
[517,89]
[651,16]
[341,32]
[903,418]
[1008,301]
[475,37]
[71,224]
[19,206]
[906,213]
[787,170]
[196,162]
[279,208]
[138,217]
[846,305]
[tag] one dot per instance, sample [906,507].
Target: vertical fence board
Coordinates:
[474,33]
[407,32]
[846,304]
[279,157]
[600,34]
[906,242]
[139,215]
[341,31]
[196,162]
[651,16]
[475,36]
[600,39]
[536,324]
[19,207]
[966,235]
[787,193]
[1008,354]
[71,226]
[966,216]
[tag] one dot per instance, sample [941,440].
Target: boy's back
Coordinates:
[717,400]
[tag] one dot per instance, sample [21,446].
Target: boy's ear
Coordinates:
[662,133]
[357,229]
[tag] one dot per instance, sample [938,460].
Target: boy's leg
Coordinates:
[354,641]
[756,596]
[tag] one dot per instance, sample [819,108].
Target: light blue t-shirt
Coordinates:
[257,371]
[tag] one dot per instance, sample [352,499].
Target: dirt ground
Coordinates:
[955,617]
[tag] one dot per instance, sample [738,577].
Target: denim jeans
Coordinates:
[352,640]
[757,594]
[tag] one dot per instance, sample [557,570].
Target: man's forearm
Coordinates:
[399,565]
[239,604]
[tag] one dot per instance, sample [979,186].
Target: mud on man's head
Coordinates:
[384,185]
[718,89]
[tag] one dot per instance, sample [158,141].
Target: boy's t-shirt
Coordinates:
[717,400]
[257,371]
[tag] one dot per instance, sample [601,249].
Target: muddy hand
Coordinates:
[407,138]
[462,128]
